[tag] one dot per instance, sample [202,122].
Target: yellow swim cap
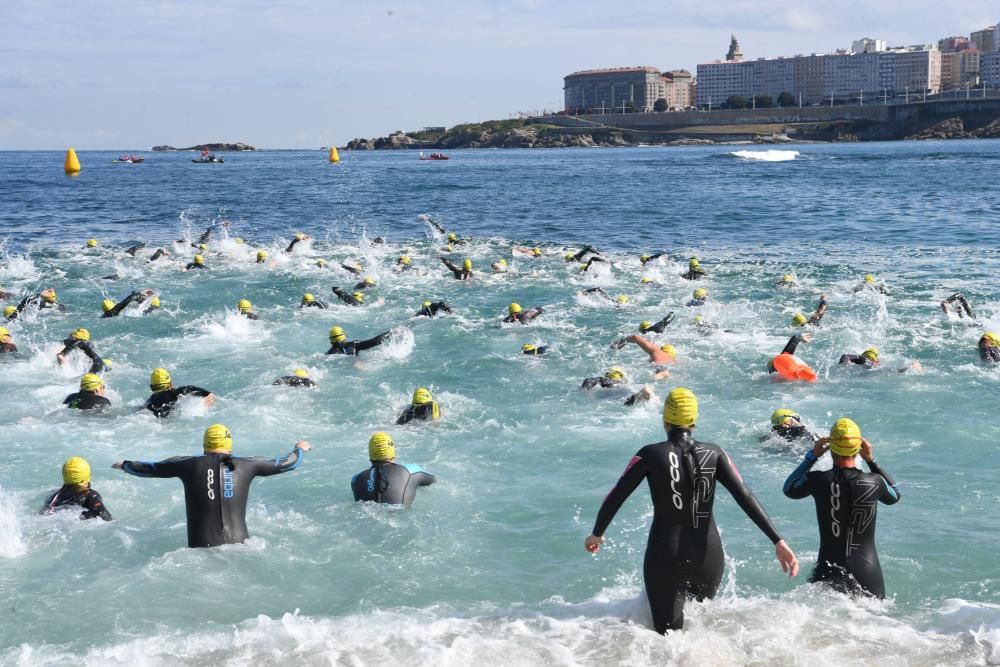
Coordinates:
[799,320]
[48,295]
[528,347]
[621,298]
[700,293]
[422,396]
[308,297]
[645,326]
[645,280]
[300,373]
[426,304]
[81,334]
[669,349]
[615,374]
[107,305]
[154,302]
[993,338]
[467,264]
[381,447]
[300,236]
[536,252]
[244,306]
[698,319]
[780,416]
[404,259]
[359,297]
[91,382]
[76,471]
[845,438]
[369,280]
[202,246]
[680,408]
[514,308]
[694,262]
[871,354]
[788,278]
[568,256]
[199,260]
[159,379]
[869,278]
[502,262]
[4,332]
[9,310]
[261,255]
[238,241]
[91,243]
[643,258]
[337,335]
[321,262]
[217,438]
[452,237]
[448,248]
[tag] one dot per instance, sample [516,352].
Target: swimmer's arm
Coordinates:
[190,389]
[590,383]
[647,347]
[122,305]
[418,475]
[730,478]
[797,485]
[291,461]
[406,417]
[792,344]
[94,507]
[889,494]
[343,296]
[171,467]
[634,473]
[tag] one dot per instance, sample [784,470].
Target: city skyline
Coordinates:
[119,75]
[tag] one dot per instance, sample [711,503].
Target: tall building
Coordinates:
[678,89]
[986,40]
[960,69]
[953,44]
[867,45]
[990,69]
[613,89]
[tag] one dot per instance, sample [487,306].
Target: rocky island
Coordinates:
[214,148]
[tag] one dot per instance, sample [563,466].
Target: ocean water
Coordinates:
[488,564]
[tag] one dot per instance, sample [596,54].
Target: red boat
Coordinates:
[434,156]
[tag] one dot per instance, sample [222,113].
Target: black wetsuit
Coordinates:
[586,267]
[352,347]
[846,505]
[684,554]
[123,304]
[537,351]
[347,298]
[696,303]
[790,347]
[162,403]
[250,315]
[315,303]
[694,274]
[433,309]
[578,256]
[651,258]
[215,490]
[390,483]
[294,381]
[134,249]
[194,265]
[604,382]
[67,496]
[86,400]
[524,317]
[36,299]
[661,325]
[70,344]
[160,252]
[857,359]
[990,355]
[820,312]
[292,244]
[458,272]
[351,269]
[362,286]
[205,236]
[963,305]
[793,433]
[422,412]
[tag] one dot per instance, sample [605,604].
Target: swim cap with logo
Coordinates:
[337,335]
[308,297]
[680,408]
[107,305]
[91,382]
[76,471]
[159,379]
[871,354]
[645,326]
[81,335]
[381,447]
[845,437]
[359,297]
[615,374]
[217,438]
[244,306]
[422,396]
[780,416]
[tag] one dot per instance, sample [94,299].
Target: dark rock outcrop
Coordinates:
[215,148]
[951,128]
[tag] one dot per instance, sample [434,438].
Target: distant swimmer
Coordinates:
[615,377]
[91,395]
[310,301]
[658,354]
[165,395]
[703,326]
[321,263]
[299,238]
[197,263]
[4,295]
[989,348]
[91,243]
[871,285]
[800,320]
[403,263]
[534,253]
[6,343]
[646,259]
[787,281]
[80,340]
[868,358]
[354,299]
[132,250]
[454,240]
[646,281]
[245,308]
[534,350]
[590,262]
[698,298]
[261,256]
[365,284]
[656,327]
[298,378]
[340,345]
[44,300]
[846,507]
[790,347]
[517,314]
[463,273]
[578,256]
[76,492]
[432,308]
[355,268]
[694,272]
[619,300]
[160,252]
[386,481]
[787,425]
[684,556]
[423,407]
[112,309]
[216,485]
[500,266]
[432,222]
[962,309]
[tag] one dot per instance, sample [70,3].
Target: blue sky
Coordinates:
[308,73]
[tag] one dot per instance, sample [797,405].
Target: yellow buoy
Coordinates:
[72,164]
[334,156]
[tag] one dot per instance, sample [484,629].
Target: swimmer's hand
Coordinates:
[593,543]
[786,558]
[866,450]
[209,400]
[820,448]
[807,337]
[61,359]
[118,465]
[303,445]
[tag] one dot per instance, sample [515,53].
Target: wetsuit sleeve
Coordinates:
[268,467]
[730,478]
[171,467]
[792,344]
[190,389]
[97,364]
[371,342]
[820,312]
[406,417]
[205,236]
[852,359]
[454,269]
[590,383]
[889,493]
[156,255]
[634,473]
[662,324]
[26,301]
[442,306]
[122,305]
[797,485]
[94,507]
[343,296]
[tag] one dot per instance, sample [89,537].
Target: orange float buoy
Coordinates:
[792,368]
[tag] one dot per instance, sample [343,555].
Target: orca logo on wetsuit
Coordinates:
[675,476]
[211,483]
[834,508]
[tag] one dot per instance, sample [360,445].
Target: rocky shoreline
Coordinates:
[214,148]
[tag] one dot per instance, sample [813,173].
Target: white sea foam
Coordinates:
[766,156]
[11,540]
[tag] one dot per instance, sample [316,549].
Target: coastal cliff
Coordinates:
[215,148]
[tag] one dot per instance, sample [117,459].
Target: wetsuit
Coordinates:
[294,381]
[427,412]
[351,269]
[598,290]
[536,351]
[352,347]
[86,400]
[123,304]
[67,496]
[790,347]
[524,317]
[205,236]
[857,359]
[215,490]
[578,256]
[7,347]
[650,258]
[793,433]
[820,312]
[70,344]
[586,267]
[36,299]
[604,382]
[362,286]
[346,298]
[390,483]
[694,274]
[661,325]
[193,265]
[162,403]
[432,310]
[990,355]
[292,244]
[963,304]
[684,554]
[695,303]
[458,272]
[846,505]
[160,252]
[136,248]
[315,303]
[436,225]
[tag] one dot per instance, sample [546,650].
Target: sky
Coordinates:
[117,74]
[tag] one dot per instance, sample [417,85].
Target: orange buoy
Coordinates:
[792,368]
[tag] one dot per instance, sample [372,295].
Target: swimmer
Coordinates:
[91,243]
[576,257]
[698,298]
[790,347]
[963,305]
[423,407]
[355,269]
[432,308]
[868,358]
[656,327]
[91,395]
[387,481]
[160,252]
[298,378]
[787,425]
[340,345]
[111,309]
[77,492]
[216,485]
[590,262]
[684,556]
[649,282]
[432,222]
[534,350]
[613,378]
[321,263]
[403,263]
[464,273]
[646,259]
[132,250]
[165,396]
[44,300]
[454,240]
[499,266]
[6,344]
[517,314]
[80,340]
[870,284]
[197,263]
[694,272]
[846,508]
[799,320]
[245,308]
[152,305]
[298,238]
[355,299]
[534,253]
[703,326]
[365,284]
[309,301]
[658,354]
[989,348]
[787,281]
[4,295]
[619,300]
[10,313]
[261,256]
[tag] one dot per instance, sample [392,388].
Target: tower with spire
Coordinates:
[734,55]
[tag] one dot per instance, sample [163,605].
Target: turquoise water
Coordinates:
[488,563]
